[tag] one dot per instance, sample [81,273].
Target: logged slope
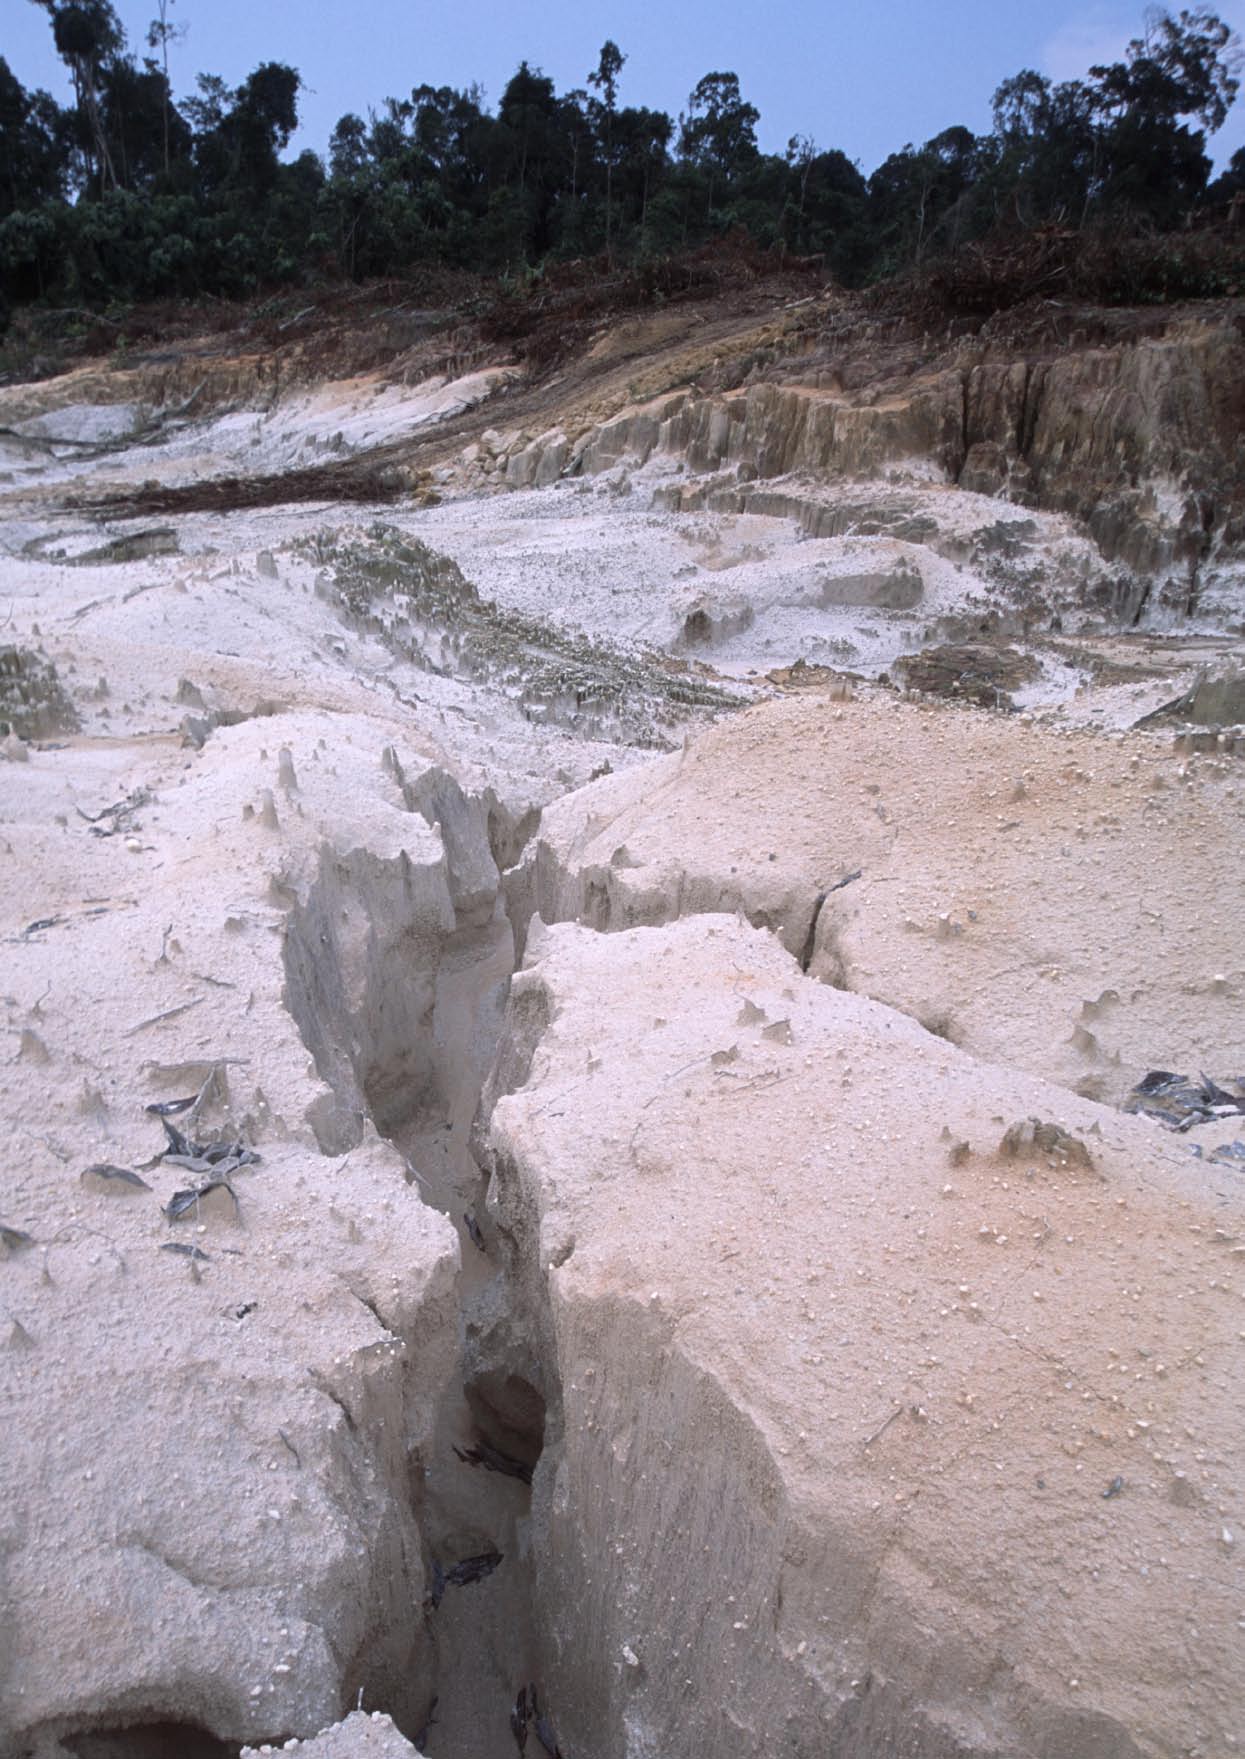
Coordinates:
[1129,423]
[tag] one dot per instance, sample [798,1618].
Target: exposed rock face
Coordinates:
[1013,889]
[896,589]
[1138,439]
[1216,699]
[1112,435]
[857,1445]
[791,1354]
[538,464]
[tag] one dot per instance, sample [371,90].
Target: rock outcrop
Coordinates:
[756,1325]
[984,673]
[1136,436]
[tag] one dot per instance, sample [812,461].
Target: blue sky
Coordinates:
[866,78]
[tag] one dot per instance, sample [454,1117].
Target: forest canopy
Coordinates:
[130,193]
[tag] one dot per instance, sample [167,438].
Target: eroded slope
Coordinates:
[862,1409]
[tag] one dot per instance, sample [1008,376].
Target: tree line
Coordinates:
[127,193]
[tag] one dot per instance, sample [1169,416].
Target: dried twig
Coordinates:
[168,1014]
[883,1427]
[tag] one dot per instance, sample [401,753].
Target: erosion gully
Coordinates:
[415,1056]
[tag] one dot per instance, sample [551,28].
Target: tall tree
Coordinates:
[160,33]
[719,130]
[139,123]
[86,34]
[33,146]
[605,79]
[240,134]
[826,207]
[527,142]
[1121,140]
[1181,70]
[643,160]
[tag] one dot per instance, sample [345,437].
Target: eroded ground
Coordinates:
[644,893]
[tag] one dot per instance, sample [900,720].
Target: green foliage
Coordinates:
[125,195]
[719,133]
[32,146]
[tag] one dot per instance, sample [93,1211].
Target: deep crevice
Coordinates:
[398,974]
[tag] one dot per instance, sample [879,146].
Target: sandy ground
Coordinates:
[1064,901]
[882,1428]
[271,839]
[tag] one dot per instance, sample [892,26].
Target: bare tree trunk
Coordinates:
[164,51]
[104,164]
[920,229]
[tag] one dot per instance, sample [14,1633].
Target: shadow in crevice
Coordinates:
[510,1419]
[156,1740]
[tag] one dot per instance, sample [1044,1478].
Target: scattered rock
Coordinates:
[189,694]
[978,672]
[136,546]
[113,1180]
[1180,1103]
